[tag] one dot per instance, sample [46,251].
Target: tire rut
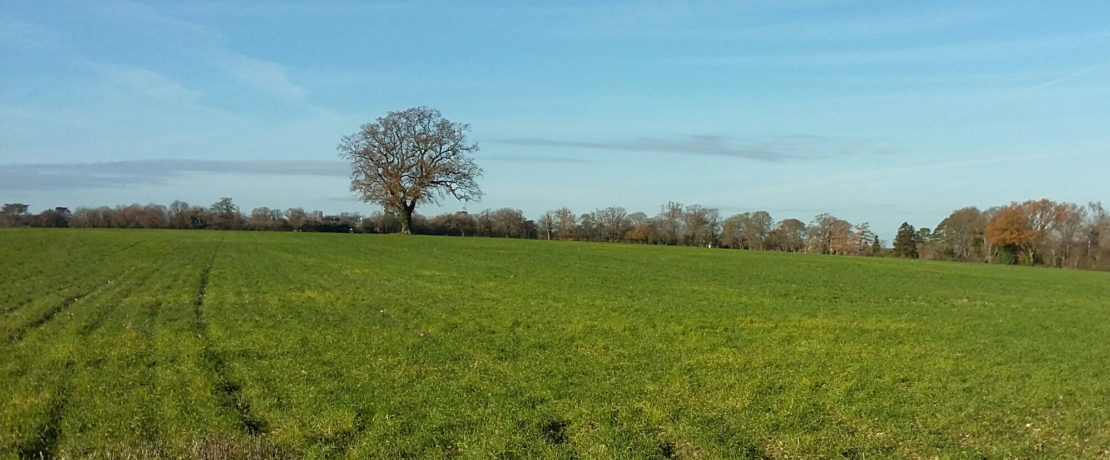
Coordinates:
[101,316]
[229,391]
[16,335]
[43,446]
[149,429]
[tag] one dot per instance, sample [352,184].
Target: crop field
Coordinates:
[141,344]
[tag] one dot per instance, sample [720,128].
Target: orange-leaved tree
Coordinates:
[1010,229]
[1025,228]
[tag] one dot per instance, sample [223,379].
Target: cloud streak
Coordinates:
[47,177]
[1022,48]
[699,145]
[148,85]
[266,76]
[532,159]
[774,149]
[211,46]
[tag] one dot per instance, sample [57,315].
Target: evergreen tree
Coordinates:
[905,243]
[876,247]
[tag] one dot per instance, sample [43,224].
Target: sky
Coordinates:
[878,112]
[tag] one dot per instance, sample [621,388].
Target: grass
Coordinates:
[234,345]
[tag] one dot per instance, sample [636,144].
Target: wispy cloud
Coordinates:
[138,13]
[699,145]
[266,76]
[534,159]
[776,148]
[670,19]
[148,85]
[1017,48]
[870,26]
[44,177]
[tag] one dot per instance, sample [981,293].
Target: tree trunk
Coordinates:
[406,218]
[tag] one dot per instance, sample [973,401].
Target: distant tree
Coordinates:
[340,223]
[928,245]
[757,228]
[506,223]
[547,225]
[459,224]
[264,218]
[924,235]
[1067,236]
[225,215]
[1094,248]
[1045,217]
[565,223]
[378,222]
[315,217]
[637,218]
[732,231]
[818,234]
[827,234]
[530,229]
[639,234]
[586,230]
[177,214]
[1010,231]
[298,219]
[277,217]
[789,236]
[57,217]
[84,218]
[876,247]
[862,238]
[483,224]
[960,235]
[411,157]
[198,217]
[612,223]
[13,214]
[905,241]
[130,216]
[670,223]
[1027,229]
[702,226]
[154,216]
[841,238]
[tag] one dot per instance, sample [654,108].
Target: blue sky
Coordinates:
[873,111]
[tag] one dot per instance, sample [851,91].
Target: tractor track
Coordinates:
[44,445]
[101,315]
[17,334]
[229,391]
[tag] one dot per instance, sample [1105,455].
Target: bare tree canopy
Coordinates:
[411,157]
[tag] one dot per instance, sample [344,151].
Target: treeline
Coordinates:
[1031,233]
[1035,232]
[221,215]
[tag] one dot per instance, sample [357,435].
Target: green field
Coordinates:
[134,343]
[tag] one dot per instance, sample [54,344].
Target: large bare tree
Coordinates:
[411,157]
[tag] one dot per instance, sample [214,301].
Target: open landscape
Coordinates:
[622,229]
[170,343]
